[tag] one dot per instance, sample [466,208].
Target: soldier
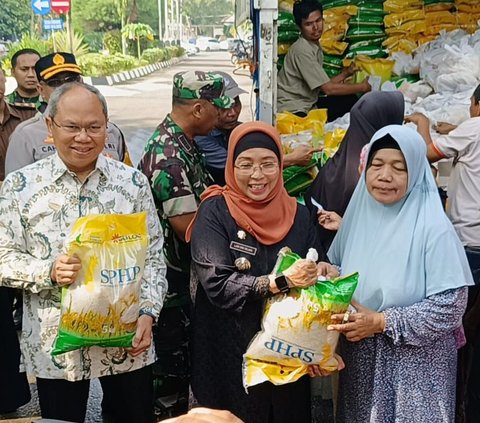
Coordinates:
[30,141]
[26,95]
[178,176]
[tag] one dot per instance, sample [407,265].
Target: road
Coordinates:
[137,107]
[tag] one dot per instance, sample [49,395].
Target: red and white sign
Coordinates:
[61,7]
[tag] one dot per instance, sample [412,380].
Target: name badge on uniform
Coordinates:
[243,248]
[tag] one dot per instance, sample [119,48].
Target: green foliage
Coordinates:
[208,12]
[27,42]
[95,15]
[112,41]
[61,42]
[138,31]
[15,18]
[154,55]
[96,64]
[94,40]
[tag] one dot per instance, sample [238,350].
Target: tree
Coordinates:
[207,12]
[95,15]
[15,18]
[137,31]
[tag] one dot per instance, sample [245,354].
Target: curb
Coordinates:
[121,77]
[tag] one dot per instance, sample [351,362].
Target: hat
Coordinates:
[209,86]
[54,63]
[231,87]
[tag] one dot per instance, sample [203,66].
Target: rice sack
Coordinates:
[294,332]
[101,307]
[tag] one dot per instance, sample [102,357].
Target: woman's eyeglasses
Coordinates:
[267,168]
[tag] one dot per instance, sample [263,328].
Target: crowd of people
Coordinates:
[218,214]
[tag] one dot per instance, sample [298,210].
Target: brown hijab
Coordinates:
[268,220]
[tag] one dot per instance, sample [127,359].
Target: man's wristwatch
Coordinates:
[282,283]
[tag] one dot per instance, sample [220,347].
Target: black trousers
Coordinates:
[129,397]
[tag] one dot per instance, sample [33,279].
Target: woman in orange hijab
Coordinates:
[235,239]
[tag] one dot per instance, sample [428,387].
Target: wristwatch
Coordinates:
[282,283]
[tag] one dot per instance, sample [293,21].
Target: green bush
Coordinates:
[27,42]
[95,64]
[153,55]
[112,41]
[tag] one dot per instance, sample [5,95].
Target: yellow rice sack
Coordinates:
[294,333]
[101,307]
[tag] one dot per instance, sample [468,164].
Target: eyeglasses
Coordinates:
[54,83]
[92,130]
[267,168]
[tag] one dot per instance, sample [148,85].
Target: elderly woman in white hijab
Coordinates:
[400,345]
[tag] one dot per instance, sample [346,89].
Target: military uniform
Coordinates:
[177,173]
[28,105]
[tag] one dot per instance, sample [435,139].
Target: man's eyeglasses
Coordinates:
[247,169]
[92,130]
[56,82]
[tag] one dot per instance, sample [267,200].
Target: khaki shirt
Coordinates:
[301,77]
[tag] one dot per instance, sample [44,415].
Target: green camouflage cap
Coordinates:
[209,86]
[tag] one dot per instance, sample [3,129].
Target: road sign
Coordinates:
[51,24]
[41,7]
[60,6]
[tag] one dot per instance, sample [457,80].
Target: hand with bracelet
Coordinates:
[302,274]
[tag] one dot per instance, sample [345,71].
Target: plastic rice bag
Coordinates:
[102,306]
[294,330]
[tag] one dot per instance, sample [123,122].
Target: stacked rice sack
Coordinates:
[411,23]
[287,30]
[468,14]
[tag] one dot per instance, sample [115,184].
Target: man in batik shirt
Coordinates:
[39,204]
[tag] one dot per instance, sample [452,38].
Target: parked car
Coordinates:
[190,49]
[3,48]
[208,44]
[227,44]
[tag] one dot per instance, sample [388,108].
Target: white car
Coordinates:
[190,49]
[208,44]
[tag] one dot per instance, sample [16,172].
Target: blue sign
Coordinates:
[51,24]
[41,7]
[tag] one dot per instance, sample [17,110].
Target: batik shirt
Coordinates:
[38,205]
[177,173]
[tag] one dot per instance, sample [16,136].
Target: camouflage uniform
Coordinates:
[29,106]
[177,173]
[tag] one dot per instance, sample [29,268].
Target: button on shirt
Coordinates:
[463,145]
[301,77]
[38,205]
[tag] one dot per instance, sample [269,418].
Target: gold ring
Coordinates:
[346,317]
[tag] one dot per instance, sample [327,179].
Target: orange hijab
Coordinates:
[269,220]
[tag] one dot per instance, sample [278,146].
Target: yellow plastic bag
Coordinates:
[101,307]
[367,66]
[333,140]
[294,332]
[288,123]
